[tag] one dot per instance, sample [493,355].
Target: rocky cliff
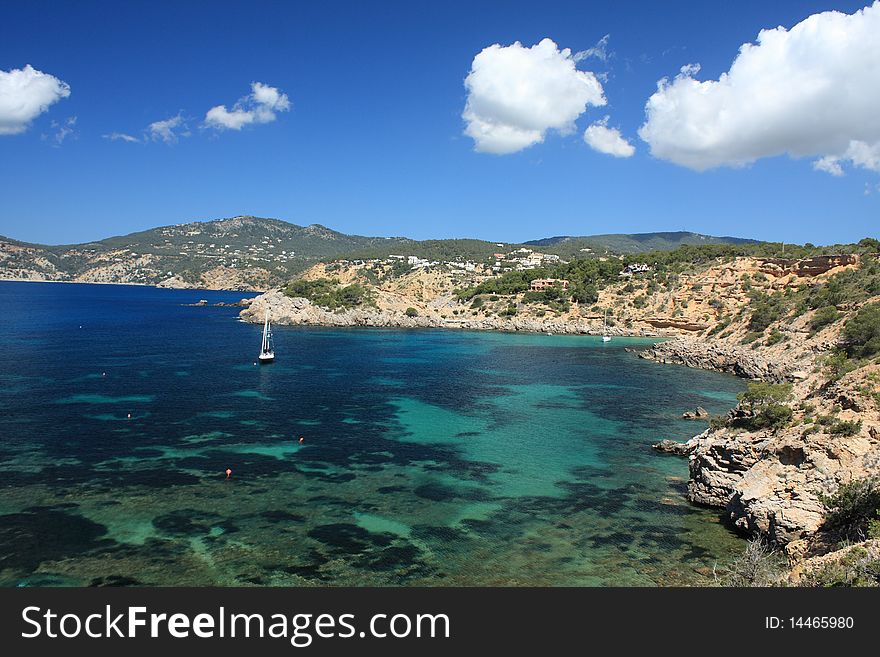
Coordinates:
[295,311]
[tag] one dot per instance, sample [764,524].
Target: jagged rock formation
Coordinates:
[806,266]
[720,357]
[769,484]
[697,414]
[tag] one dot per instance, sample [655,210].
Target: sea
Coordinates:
[365,457]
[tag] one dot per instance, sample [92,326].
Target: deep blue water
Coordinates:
[429,457]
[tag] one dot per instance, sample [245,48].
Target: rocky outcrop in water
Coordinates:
[770,484]
[699,413]
[721,357]
[667,446]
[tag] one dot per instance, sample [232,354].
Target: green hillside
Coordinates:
[621,243]
[257,253]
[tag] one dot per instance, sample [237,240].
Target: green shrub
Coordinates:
[855,568]
[838,365]
[534,297]
[766,309]
[849,511]
[823,317]
[751,337]
[640,301]
[862,332]
[720,326]
[766,402]
[327,293]
[845,427]
[583,293]
[776,337]
[411,312]
[477,302]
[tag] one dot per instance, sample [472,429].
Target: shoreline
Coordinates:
[297,311]
[156,285]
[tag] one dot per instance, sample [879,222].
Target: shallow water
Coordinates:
[430,457]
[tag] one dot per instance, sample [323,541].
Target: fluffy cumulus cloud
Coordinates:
[607,140]
[517,94]
[167,130]
[25,94]
[811,91]
[260,106]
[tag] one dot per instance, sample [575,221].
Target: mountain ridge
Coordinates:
[250,252]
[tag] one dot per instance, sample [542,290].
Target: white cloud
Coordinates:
[828,165]
[260,106]
[168,130]
[862,154]
[63,130]
[600,137]
[812,91]
[516,94]
[121,136]
[24,95]
[599,51]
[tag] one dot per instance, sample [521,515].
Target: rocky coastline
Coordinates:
[297,311]
[707,354]
[769,483]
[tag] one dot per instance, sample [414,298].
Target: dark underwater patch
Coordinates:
[189,522]
[395,557]
[114,580]
[437,492]
[389,490]
[438,533]
[613,539]
[40,534]
[310,570]
[345,538]
[279,516]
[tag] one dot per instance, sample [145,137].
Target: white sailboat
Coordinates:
[267,351]
[605,336]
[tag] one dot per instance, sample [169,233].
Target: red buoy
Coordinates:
[228,472]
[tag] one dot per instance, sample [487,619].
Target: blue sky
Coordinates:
[374,140]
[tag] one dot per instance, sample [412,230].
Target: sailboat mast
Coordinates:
[265,345]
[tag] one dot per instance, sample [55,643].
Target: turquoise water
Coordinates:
[429,457]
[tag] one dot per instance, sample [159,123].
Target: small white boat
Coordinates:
[267,351]
[605,336]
